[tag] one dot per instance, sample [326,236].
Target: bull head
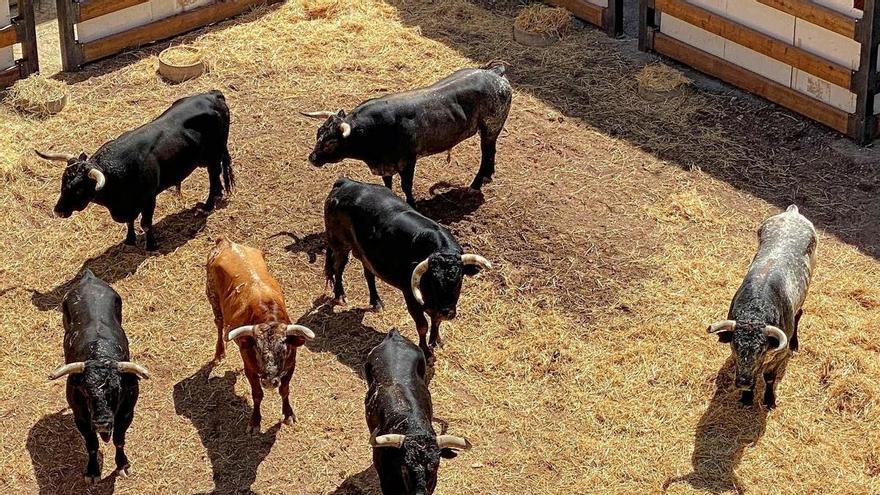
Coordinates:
[419,458]
[100,383]
[439,278]
[273,345]
[750,344]
[331,143]
[80,182]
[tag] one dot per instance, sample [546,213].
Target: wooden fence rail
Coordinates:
[22,31]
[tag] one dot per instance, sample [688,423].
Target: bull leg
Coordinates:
[388,180]
[130,236]
[487,163]
[435,340]
[93,470]
[215,188]
[415,310]
[770,390]
[793,343]
[748,397]
[257,395]
[284,392]
[375,301]
[120,427]
[406,181]
[147,224]
[340,259]
[220,346]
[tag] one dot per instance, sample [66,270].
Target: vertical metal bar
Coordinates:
[863,123]
[27,29]
[612,18]
[71,51]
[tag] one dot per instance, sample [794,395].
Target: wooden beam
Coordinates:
[647,25]
[27,34]
[754,83]
[819,15]
[612,18]
[166,28]
[8,36]
[581,9]
[758,41]
[9,76]
[91,9]
[71,51]
[866,78]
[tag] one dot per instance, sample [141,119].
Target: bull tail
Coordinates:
[496,66]
[228,172]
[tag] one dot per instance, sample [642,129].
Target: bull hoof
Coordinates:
[91,479]
[289,420]
[377,306]
[253,429]
[339,301]
[124,472]
[130,241]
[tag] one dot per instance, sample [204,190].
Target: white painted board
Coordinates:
[7,57]
[114,22]
[762,18]
[758,63]
[824,91]
[194,4]
[692,35]
[827,44]
[600,3]
[842,6]
[165,8]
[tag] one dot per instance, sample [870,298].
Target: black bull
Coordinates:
[126,174]
[406,450]
[402,247]
[102,384]
[390,133]
[762,322]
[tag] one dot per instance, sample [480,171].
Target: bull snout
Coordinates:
[744,383]
[448,314]
[104,429]
[61,213]
[313,159]
[270,383]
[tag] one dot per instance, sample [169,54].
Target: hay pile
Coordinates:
[181,56]
[543,20]
[661,78]
[579,365]
[38,95]
[320,9]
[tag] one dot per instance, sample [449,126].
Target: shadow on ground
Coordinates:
[58,456]
[753,145]
[341,333]
[725,430]
[364,483]
[221,416]
[120,261]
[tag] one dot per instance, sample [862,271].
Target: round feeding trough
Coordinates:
[181,63]
[39,95]
[539,25]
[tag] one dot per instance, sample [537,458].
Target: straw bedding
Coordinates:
[579,365]
[543,20]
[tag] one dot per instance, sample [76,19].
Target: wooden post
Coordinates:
[612,18]
[647,25]
[27,34]
[71,51]
[863,123]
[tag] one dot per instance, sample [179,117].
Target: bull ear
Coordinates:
[341,114]
[723,329]
[448,454]
[83,157]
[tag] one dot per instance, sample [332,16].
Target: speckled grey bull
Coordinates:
[762,322]
[390,133]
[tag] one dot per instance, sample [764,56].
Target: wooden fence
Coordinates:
[94,29]
[607,14]
[20,29]
[816,57]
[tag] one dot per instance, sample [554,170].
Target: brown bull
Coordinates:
[249,308]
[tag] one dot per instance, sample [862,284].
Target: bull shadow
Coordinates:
[341,333]
[312,244]
[121,261]
[765,150]
[723,433]
[450,206]
[364,483]
[220,417]
[58,456]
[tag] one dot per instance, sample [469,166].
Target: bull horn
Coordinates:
[453,442]
[417,273]
[67,369]
[345,127]
[134,368]
[299,331]
[722,326]
[323,114]
[55,157]
[390,440]
[97,176]
[245,331]
[476,259]
[771,331]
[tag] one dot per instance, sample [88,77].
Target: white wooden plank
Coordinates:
[194,4]
[842,6]
[824,91]
[7,57]
[758,63]
[760,17]
[827,44]
[692,35]
[600,3]
[165,8]
[114,22]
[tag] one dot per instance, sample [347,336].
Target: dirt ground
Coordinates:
[619,226]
